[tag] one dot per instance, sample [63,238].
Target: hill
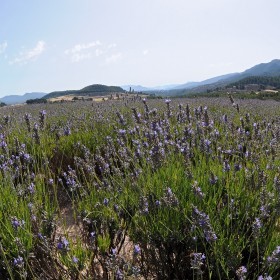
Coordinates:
[92,90]
[264,70]
[261,81]
[16,99]
[270,69]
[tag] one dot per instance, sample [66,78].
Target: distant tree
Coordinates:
[36,101]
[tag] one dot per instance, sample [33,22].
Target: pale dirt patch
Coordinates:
[71,228]
[67,225]
[95,98]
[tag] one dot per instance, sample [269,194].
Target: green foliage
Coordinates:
[92,90]
[36,101]
[152,189]
[262,81]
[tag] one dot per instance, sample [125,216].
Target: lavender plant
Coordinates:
[174,189]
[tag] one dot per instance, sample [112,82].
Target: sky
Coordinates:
[48,45]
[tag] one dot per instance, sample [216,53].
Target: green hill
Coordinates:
[270,72]
[262,81]
[92,90]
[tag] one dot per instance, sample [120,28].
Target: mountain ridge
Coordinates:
[17,99]
[268,69]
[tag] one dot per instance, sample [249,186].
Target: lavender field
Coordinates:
[140,189]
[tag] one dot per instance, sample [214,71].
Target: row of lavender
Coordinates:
[158,189]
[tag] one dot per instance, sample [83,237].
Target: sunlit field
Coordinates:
[140,189]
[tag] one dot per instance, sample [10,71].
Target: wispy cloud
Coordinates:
[113,58]
[111,46]
[145,52]
[32,54]
[84,51]
[76,57]
[99,52]
[3,47]
[89,50]
[81,47]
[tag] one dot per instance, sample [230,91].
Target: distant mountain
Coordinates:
[205,82]
[135,88]
[270,69]
[165,87]
[17,99]
[140,88]
[92,90]
[257,74]
[261,81]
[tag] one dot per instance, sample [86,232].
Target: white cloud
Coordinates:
[84,51]
[145,52]
[29,55]
[3,47]
[77,57]
[98,52]
[90,50]
[111,46]
[80,47]
[113,58]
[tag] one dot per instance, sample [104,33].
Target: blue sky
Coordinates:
[48,45]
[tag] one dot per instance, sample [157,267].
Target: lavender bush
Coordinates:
[136,188]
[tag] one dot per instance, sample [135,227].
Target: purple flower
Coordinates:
[114,251]
[256,227]
[75,259]
[27,116]
[241,273]
[170,198]
[67,131]
[40,236]
[122,132]
[16,223]
[226,166]
[3,144]
[63,244]
[106,201]
[225,119]
[274,258]
[31,188]
[119,275]
[197,190]
[18,261]
[237,167]
[207,143]
[137,249]
[197,260]
[144,206]
[265,277]
[213,179]
[202,220]
[158,203]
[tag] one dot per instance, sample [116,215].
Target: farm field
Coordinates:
[140,189]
